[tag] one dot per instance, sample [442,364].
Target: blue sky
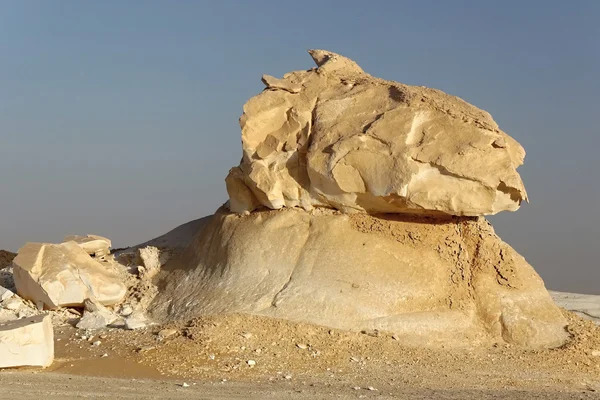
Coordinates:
[121,117]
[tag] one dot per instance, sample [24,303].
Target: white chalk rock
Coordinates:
[27,342]
[92,244]
[64,275]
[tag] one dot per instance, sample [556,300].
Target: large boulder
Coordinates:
[27,342]
[64,274]
[335,136]
[428,279]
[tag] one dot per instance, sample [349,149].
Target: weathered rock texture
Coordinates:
[64,275]
[27,342]
[335,136]
[94,245]
[449,280]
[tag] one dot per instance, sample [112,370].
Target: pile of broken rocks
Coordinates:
[77,282]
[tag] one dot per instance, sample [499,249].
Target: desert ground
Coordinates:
[240,356]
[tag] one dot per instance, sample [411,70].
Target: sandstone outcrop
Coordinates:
[335,136]
[27,342]
[433,280]
[64,275]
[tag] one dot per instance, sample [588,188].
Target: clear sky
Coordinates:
[121,117]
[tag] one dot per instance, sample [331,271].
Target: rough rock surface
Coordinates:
[64,275]
[27,342]
[335,136]
[93,244]
[430,280]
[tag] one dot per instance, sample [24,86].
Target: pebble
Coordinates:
[288,377]
[5,293]
[301,346]
[246,335]
[97,343]
[251,363]
[371,388]
[126,310]
[185,385]
[13,304]
[356,388]
[354,359]
[104,355]
[395,337]
[165,333]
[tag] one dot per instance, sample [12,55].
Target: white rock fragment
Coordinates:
[251,363]
[166,333]
[150,256]
[95,316]
[13,304]
[27,342]
[94,245]
[5,293]
[126,310]
[185,385]
[62,275]
[136,320]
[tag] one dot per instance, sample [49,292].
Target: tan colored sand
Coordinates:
[218,348]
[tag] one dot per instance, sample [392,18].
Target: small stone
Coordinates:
[251,363]
[596,353]
[97,343]
[288,377]
[395,337]
[165,333]
[126,310]
[356,388]
[136,320]
[211,356]
[185,385]
[104,355]
[302,346]
[5,294]
[246,335]
[13,303]
[354,359]
[371,388]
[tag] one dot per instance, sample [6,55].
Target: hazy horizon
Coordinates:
[120,118]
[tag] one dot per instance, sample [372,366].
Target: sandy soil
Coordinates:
[293,361]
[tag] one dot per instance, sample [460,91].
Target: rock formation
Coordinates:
[59,275]
[27,342]
[335,136]
[379,191]
[94,245]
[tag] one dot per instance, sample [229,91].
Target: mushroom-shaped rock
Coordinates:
[335,136]
[64,275]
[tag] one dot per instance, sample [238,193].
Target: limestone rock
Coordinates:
[136,320]
[63,275]
[429,280]
[92,244]
[335,136]
[95,316]
[5,294]
[27,342]
[150,256]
